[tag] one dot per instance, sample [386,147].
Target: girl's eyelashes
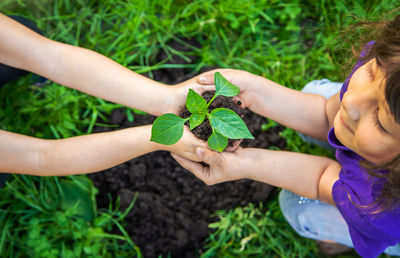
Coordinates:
[378,123]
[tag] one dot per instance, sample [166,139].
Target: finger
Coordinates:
[201,172]
[208,77]
[204,88]
[212,158]
[235,145]
[189,143]
[196,141]
[188,164]
[239,102]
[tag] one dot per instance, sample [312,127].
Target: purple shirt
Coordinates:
[355,193]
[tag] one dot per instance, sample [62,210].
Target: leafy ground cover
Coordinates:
[290,42]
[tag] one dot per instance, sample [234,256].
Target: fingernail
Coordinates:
[202,79]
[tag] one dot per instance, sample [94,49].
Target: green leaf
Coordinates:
[229,124]
[196,119]
[217,141]
[224,87]
[195,103]
[167,129]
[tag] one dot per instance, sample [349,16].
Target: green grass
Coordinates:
[57,217]
[256,231]
[290,42]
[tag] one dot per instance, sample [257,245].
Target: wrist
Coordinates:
[154,146]
[144,134]
[168,97]
[249,163]
[243,163]
[260,93]
[251,88]
[258,84]
[160,99]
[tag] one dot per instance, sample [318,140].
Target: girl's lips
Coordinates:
[344,124]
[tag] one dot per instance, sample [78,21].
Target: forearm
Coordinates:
[305,175]
[97,75]
[300,111]
[78,68]
[75,155]
[95,152]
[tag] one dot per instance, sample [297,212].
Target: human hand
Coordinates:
[243,79]
[186,146]
[179,92]
[175,95]
[222,167]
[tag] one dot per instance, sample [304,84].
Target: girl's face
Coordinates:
[364,123]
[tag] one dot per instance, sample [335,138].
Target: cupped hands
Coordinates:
[220,167]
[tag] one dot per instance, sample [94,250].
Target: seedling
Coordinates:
[168,128]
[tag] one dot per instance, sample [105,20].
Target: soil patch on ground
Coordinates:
[173,209]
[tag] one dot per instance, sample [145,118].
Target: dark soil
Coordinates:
[174,208]
[204,130]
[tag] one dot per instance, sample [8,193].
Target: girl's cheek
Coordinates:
[369,142]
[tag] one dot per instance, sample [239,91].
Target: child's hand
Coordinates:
[175,96]
[242,79]
[223,167]
[186,146]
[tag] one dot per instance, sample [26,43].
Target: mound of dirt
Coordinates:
[174,208]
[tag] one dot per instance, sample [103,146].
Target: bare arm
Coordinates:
[95,74]
[306,175]
[303,112]
[82,154]
[86,70]
[307,113]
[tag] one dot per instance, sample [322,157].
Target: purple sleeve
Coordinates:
[368,237]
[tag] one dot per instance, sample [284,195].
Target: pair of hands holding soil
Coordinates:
[208,165]
[78,68]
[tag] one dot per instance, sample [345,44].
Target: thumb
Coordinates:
[207,156]
[206,78]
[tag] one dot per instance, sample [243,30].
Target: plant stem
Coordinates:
[211,100]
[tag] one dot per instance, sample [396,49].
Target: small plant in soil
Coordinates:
[167,129]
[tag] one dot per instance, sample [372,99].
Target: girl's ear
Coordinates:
[239,102]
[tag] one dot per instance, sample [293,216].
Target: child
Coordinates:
[362,122]
[97,75]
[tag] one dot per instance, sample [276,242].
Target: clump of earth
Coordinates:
[173,208]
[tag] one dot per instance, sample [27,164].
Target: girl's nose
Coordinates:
[360,102]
